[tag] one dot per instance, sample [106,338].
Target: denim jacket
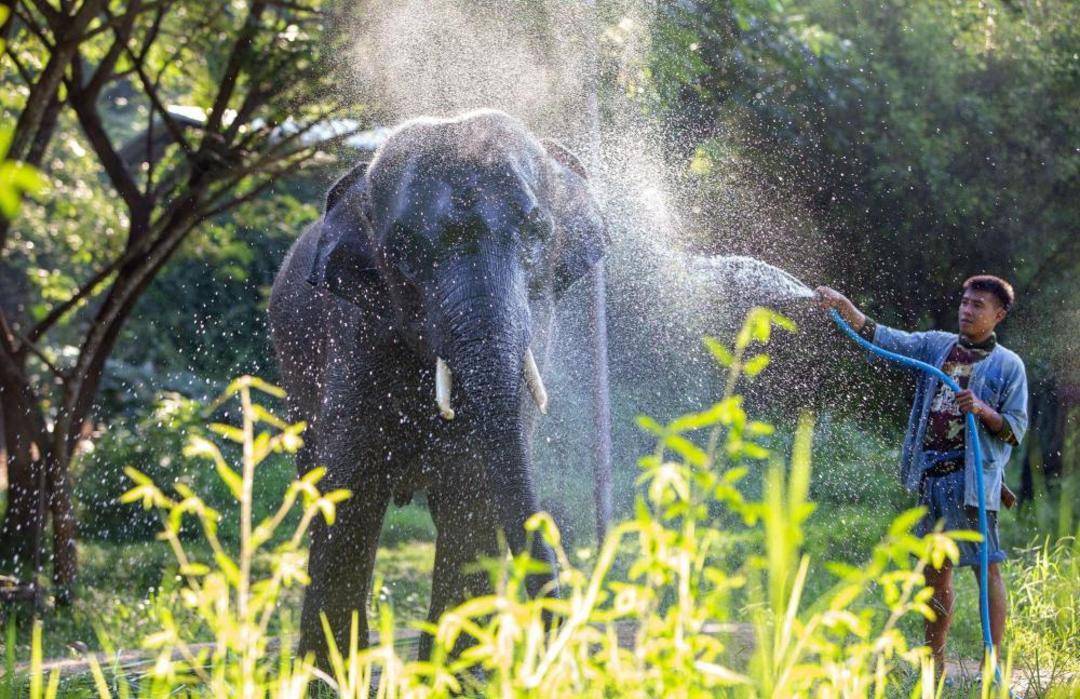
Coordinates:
[999,380]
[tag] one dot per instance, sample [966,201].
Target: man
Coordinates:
[937,460]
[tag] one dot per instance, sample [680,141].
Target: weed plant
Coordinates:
[1044,627]
[655,612]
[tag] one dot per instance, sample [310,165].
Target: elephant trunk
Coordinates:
[484,338]
[480,323]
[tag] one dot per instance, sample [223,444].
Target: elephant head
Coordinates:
[458,236]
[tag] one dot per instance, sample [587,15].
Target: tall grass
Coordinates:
[1044,627]
[654,612]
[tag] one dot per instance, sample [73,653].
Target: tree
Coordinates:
[255,81]
[924,140]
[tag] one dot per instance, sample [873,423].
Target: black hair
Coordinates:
[1001,289]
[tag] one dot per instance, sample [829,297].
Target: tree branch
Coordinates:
[23,72]
[174,225]
[46,87]
[155,100]
[151,33]
[85,290]
[241,48]
[52,17]
[115,20]
[85,108]
[26,344]
[270,177]
[108,62]
[33,26]
[45,132]
[273,152]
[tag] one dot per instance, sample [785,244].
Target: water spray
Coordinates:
[972,433]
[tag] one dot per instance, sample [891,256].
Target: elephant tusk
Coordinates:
[443,382]
[536,384]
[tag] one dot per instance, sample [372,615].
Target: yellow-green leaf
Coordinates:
[756,364]
[231,478]
[720,353]
[234,434]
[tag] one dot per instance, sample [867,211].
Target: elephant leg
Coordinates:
[340,566]
[466,533]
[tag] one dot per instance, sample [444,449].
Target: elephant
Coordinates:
[406,322]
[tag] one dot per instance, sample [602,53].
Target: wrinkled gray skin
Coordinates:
[454,242]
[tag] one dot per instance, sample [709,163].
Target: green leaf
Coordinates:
[313,476]
[16,179]
[720,353]
[234,434]
[782,321]
[906,521]
[650,425]
[228,567]
[687,449]
[264,415]
[706,418]
[759,324]
[756,364]
[195,569]
[542,522]
[138,476]
[759,429]
[266,387]
[201,447]
[339,495]
[328,510]
[260,448]
[754,451]
[231,478]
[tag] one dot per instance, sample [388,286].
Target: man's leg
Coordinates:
[937,630]
[998,611]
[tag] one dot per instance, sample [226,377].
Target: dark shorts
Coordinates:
[943,497]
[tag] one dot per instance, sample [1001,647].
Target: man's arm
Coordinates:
[905,343]
[970,403]
[831,298]
[1009,422]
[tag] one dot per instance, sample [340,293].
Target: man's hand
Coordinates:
[970,403]
[831,298]
[1008,497]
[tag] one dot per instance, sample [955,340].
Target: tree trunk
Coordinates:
[64,525]
[26,445]
[38,460]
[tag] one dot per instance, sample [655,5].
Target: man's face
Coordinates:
[980,312]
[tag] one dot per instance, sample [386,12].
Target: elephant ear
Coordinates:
[582,236]
[344,263]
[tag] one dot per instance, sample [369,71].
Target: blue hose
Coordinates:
[980,488]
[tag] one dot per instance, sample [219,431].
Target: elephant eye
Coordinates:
[409,253]
[536,226]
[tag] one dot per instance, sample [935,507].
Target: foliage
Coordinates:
[897,124]
[151,445]
[687,581]
[890,149]
[16,179]
[1044,625]
[222,595]
[152,120]
[206,314]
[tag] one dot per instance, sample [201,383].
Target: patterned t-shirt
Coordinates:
[945,423]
